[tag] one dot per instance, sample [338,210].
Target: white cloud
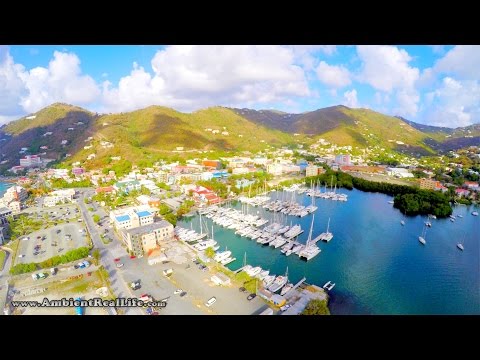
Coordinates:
[333,75]
[350,99]
[61,81]
[462,60]
[386,67]
[192,77]
[454,104]
[11,86]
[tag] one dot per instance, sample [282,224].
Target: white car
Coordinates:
[21,256]
[119,265]
[178,291]
[211,301]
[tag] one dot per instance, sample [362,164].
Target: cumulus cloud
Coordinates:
[350,99]
[336,76]
[61,81]
[387,68]
[11,86]
[462,61]
[454,103]
[192,77]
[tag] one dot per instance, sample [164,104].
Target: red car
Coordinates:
[116,260]
[133,257]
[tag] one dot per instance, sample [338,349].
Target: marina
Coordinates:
[369,256]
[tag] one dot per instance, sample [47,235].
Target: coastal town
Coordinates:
[117,231]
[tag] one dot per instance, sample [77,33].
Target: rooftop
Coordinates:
[122,218]
[144,213]
[149,228]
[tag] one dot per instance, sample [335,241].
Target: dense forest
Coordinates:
[407,199]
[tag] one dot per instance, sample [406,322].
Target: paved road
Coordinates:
[119,285]
[4,279]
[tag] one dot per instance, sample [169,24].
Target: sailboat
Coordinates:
[460,245]
[327,236]
[422,238]
[403,221]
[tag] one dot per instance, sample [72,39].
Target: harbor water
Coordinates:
[378,265]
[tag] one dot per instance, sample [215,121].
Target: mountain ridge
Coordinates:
[157,131]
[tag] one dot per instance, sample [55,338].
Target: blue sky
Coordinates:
[435,85]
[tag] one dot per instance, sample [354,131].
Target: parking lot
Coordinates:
[43,244]
[194,282]
[61,212]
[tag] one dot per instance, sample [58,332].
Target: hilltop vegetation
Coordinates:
[67,134]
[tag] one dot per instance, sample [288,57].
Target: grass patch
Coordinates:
[3,255]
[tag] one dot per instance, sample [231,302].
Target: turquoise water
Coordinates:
[378,265]
[3,187]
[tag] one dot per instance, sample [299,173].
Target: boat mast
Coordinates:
[310,233]
[328,225]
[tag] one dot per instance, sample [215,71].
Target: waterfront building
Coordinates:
[146,238]
[429,184]
[311,170]
[132,217]
[59,197]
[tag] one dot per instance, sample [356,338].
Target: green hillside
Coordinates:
[45,117]
[156,132]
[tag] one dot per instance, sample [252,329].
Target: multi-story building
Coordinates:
[16,193]
[132,217]
[275,169]
[15,206]
[31,161]
[4,214]
[145,238]
[429,184]
[311,170]
[343,159]
[127,186]
[59,197]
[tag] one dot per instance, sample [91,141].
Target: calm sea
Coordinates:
[378,265]
[3,187]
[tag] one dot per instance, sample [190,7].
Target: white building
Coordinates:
[15,192]
[311,170]
[31,161]
[132,217]
[146,238]
[399,172]
[240,171]
[275,169]
[58,197]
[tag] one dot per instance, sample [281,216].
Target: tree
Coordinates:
[96,255]
[96,218]
[171,218]
[316,307]
[210,253]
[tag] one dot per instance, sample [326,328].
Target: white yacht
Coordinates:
[279,282]
[327,236]
[222,255]
[294,231]
[254,271]
[269,279]
[263,274]
[309,252]
[228,260]
[460,246]
[329,286]
[475,213]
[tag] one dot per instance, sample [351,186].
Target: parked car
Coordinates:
[211,301]
[251,297]
[119,265]
[135,285]
[183,293]
[242,289]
